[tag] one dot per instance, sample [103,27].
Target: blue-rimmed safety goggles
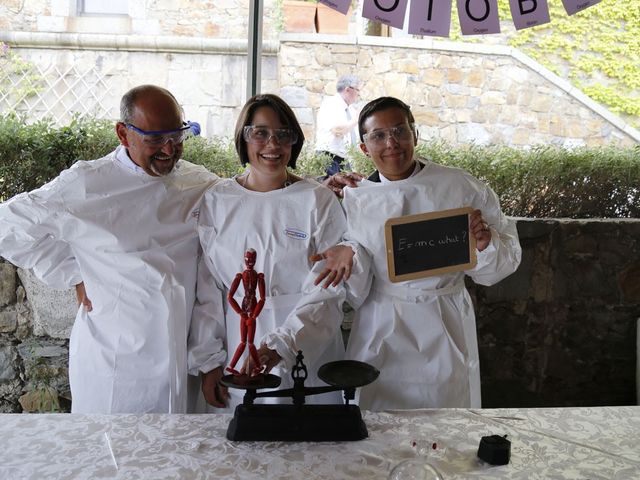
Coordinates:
[158,138]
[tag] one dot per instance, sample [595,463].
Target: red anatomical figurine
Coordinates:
[249,310]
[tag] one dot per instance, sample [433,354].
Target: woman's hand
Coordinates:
[342,179]
[480,230]
[214,392]
[337,267]
[268,359]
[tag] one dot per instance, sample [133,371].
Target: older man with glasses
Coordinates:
[123,228]
[336,126]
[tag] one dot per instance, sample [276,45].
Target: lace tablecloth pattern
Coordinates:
[550,443]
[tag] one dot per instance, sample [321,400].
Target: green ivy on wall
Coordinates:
[597,50]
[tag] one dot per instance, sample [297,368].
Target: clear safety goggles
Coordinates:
[262,135]
[379,138]
[158,138]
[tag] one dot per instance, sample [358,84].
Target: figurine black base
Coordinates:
[291,423]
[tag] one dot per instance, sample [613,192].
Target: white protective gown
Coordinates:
[132,239]
[284,227]
[420,334]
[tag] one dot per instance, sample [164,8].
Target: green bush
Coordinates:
[543,181]
[312,164]
[33,154]
[549,181]
[218,155]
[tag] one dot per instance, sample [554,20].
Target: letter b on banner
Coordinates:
[523,9]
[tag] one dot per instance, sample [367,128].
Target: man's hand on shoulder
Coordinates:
[343,179]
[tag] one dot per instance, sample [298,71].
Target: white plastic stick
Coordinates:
[113,457]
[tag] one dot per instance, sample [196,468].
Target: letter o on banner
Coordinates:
[387,9]
[477,19]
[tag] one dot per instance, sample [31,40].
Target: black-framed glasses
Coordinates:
[379,138]
[158,138]
[262,135]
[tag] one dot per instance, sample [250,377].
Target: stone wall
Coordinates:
[561,331]
[460,93]
[206,76]
[208,18]
[34,344]
[228,19]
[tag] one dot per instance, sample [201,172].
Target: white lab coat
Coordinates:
[420,334]
[132,239]
[284,227]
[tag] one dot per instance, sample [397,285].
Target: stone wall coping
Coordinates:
[141,43]
[320,38]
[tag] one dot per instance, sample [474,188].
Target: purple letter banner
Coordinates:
[389,12]
[478,16]
[574,6]
[529,13]
[340,5]
[430,17]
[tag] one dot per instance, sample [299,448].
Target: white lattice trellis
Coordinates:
[54,92]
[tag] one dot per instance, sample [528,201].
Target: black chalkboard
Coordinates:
[429,244]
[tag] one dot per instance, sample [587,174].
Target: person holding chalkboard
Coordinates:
[421,333]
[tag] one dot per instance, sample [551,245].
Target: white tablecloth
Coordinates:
[554,443]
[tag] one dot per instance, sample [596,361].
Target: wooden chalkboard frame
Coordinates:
[425,218]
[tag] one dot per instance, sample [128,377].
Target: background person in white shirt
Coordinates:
[337,123]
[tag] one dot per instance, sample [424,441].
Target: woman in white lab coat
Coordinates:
[285,219]
[420,334]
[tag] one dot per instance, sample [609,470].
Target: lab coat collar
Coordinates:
[379,178]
